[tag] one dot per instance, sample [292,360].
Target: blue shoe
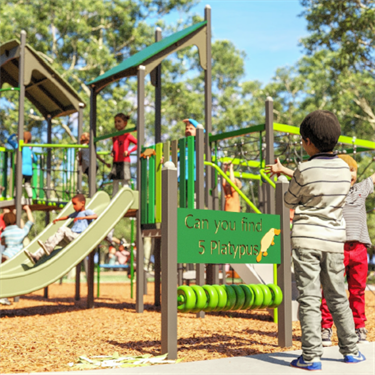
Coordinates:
[354,358]
[315,365]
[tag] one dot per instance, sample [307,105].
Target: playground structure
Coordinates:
[33,78]
[156,205]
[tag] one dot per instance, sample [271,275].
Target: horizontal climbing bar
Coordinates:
[115,134]
[343,139]
[246,199]
[10,89]
[236,161]
[237,133]
[245,175]
[51,145]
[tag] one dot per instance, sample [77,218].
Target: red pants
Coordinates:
[356,267]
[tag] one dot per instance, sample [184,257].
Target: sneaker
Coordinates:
[5,301]
[43,246]
[32,258]
[362,335]
[314,365]
[351,358]
[326,337]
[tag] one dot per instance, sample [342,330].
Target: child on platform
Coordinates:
[121,154]
[84,155]
[82,219]
[27,162]
[355,253]
[317,192]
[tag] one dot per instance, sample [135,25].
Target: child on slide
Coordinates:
[355,254]
[82,219]
[317,192]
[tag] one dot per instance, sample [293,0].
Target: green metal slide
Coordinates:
[93,204]
[25,278]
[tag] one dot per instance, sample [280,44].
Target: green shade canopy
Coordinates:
[153,54]
[44,87]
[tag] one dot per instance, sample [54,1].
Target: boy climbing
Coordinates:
[317,192]
[232,199]
[82,219]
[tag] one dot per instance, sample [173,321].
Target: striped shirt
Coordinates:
[355,212]
[317,192]
[14,236]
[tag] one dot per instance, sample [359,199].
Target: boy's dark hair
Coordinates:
[123,116]
[27,137]
[80,197]
[9,218]
[322,128]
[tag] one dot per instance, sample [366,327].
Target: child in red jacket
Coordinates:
[355,253]
[121,154]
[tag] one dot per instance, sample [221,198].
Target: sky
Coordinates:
[268,31]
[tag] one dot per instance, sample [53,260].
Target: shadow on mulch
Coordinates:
[210,343]
[68,304]
[65,305]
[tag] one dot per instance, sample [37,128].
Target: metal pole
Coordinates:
[157,256]
[208,105]
[49,156]
[21,123]
[158,93]
[92,168]
[80,126]
[200,197]
[213,269]
[169,264]
[78,281]
[92,191]
[139,307]
[284,274]
[270,158]
[90,281]
[46,222]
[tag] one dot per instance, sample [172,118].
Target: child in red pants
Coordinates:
[355,254]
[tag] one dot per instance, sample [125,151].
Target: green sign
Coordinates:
[205,236]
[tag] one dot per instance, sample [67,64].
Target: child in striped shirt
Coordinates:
[317,193]
[355,253]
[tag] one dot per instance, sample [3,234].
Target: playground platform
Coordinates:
[274,363]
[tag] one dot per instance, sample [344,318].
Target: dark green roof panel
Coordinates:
[148,52]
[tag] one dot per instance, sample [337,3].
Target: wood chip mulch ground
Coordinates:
[45,335]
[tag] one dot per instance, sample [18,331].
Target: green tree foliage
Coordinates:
[81,40]
[346,27]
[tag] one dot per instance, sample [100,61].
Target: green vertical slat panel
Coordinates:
[182,146]
[216,162]
[143,189]
[167,151]
[191,176]
[13,175]
[158,187]
[34,181]
[5,173]
[41,177]
[151,188]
